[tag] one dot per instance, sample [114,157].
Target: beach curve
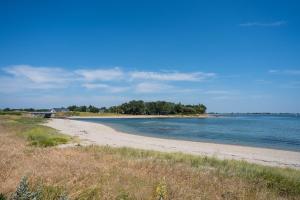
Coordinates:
[98,134]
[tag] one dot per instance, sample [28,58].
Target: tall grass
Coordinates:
[104,172]
[284,181]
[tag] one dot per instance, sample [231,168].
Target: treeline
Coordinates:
[89,108]
[145,108]
[23,109]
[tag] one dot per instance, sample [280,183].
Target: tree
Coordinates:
[178,108]
[93,109]
[200,109]
[73,108]
[188,110]
[133,107]
[82,109]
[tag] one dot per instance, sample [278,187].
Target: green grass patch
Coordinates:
[51,192]
[44,137]
[284,181]
[10,113]
[30,121]
[31,129]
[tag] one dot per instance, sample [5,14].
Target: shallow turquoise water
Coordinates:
[269,131]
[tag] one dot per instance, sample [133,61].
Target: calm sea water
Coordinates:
[269,131]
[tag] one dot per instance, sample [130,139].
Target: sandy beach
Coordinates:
[98,134]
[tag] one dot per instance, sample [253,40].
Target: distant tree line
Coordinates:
[23,109]
[89,108]
[145,108]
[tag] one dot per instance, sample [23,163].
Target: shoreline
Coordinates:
[91,133]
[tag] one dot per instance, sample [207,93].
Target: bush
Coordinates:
[2,196]
[23,192]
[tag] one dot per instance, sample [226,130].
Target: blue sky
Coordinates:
[233,56]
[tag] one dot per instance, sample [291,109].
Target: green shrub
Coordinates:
[23,191]
[2,196]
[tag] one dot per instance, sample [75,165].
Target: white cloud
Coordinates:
[273,71]
[173,76]
[149,87]
[27,77]
[264,24]
[105,87]
[101,74]
[39,74]
[111,80]
[58,100]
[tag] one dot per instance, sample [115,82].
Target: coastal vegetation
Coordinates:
[32,130]
[139,107]
[103,172]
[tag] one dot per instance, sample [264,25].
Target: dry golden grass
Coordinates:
[105,173]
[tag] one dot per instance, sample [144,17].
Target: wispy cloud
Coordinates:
[107,80]
[105,87]
[264,24]
[273,71]
[22,77]
[151,87]
[101,74]
[171,76]
[39,74]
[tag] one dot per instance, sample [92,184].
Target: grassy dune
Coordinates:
[102,172]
